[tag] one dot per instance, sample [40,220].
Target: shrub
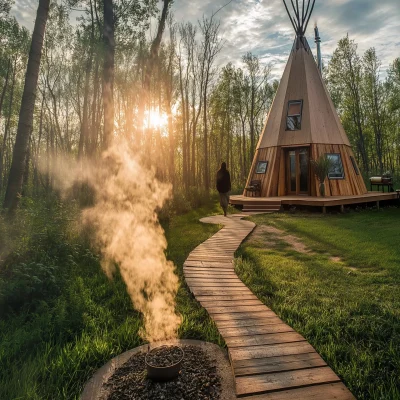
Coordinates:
[27,284]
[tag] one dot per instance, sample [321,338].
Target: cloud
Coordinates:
[263,27]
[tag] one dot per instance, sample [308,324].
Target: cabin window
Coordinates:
[336,171]
[353,161]
[293,120]
[262,167]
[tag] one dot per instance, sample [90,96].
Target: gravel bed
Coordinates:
[198,380]
[164,356]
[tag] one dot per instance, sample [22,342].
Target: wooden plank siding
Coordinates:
[273,182]
[352,184]
[269,359]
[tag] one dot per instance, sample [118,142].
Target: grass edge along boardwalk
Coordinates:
[269,359]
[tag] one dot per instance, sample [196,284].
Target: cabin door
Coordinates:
[298,171]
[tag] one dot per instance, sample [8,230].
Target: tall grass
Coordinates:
[61,317]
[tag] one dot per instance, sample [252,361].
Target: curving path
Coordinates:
[269,359]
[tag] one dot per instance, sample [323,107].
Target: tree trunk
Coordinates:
[154,49]
[3,92]
[94,124]
[108,72]
[27,106]
[25,178]
[7,130]
[84,136]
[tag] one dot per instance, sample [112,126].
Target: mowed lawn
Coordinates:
[341,290]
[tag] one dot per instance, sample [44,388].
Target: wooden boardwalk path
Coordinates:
[269,359]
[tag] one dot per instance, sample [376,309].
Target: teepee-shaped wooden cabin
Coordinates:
[303,125]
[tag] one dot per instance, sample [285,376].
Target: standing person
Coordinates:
[223,186]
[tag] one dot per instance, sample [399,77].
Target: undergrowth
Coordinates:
[61,317]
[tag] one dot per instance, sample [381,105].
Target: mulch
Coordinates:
[198,380]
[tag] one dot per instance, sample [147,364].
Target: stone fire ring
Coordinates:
[93,387]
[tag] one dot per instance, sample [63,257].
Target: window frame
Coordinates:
[290,102]
[258,165]
[341,166]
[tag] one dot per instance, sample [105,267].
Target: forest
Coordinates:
[169,97]
[94,73]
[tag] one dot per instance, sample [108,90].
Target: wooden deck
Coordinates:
[370,197]
[270,361]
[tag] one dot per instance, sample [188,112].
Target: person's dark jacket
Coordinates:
[223,181]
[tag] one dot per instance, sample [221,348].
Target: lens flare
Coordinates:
[155,119]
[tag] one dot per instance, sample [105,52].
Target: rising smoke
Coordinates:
[128,233]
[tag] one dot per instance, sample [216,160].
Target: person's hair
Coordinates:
[223,166]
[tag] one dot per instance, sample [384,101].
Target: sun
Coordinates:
[155,120]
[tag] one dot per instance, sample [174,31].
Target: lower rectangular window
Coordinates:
[262,167]
[336,170]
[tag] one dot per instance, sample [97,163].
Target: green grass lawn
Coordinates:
[343,294]
[61,318]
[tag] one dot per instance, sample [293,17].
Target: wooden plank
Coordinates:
[268,327]
[257,340]
[219,287]
[208,270]
[236,309]
[214,281]
[252,327]
[208,264]
[277,364]
[330,391]
[245,353]
[209,259]
[210,275]
[265,313]
[217,292]
[255,384]
[249,322]
[222,284]
[231,303]
[239,297]
[210,254]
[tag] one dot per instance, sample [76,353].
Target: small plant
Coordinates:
[321,168]
[387,174]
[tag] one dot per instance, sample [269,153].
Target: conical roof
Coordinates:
[302,80]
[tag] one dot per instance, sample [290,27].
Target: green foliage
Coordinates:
[321,167]
[28,284]
[182,202]
[343,295]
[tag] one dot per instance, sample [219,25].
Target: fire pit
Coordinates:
[164,363]
[205,373]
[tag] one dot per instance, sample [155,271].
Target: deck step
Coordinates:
[250,212]
[261,207]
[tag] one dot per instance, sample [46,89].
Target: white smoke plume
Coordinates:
[128,233]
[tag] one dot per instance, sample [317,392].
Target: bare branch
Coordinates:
[216,12]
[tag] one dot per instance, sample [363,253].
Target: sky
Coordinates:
[262,27]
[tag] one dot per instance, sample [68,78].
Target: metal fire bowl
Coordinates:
[164,373]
